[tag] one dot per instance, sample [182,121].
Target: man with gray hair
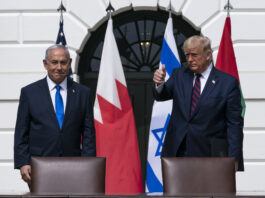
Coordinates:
[53,113]
[206,115]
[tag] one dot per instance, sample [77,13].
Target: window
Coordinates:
[139,36]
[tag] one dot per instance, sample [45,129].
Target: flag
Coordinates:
[62,41]
[60,37]
[226,60]
[116,137]
[161,115]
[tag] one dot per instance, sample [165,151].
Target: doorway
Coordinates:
[139,36]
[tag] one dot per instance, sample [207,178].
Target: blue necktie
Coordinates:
[59,106]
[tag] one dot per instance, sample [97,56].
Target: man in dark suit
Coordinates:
[206,115]
[53,113]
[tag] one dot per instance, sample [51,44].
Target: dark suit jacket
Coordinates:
[216,126]
[37,131]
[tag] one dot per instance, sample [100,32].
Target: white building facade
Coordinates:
[28,27]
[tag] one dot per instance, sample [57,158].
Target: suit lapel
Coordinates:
[47,101]
[188,84]
[207,89]
[209,85]
[71,97]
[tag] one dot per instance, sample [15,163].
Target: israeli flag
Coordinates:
[161,115]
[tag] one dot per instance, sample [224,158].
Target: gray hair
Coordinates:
[195,40]
[56,46]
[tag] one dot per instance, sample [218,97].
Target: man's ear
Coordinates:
[209,56]
[45,63]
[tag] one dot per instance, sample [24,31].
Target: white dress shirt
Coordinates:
[204,77]
[63,91]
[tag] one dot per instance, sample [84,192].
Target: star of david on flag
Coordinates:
[159,135]
[161,115]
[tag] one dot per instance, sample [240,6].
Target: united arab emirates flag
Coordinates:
[226,60]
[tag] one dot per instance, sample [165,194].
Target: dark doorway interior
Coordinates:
[139,36]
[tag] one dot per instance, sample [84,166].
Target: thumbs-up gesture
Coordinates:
[159,75]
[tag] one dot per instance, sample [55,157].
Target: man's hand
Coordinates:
[25,172]
[159,75]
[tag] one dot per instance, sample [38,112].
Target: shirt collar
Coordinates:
[52,84]
[207,72]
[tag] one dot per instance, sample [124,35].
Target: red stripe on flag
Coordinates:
[226,60]
[117,141]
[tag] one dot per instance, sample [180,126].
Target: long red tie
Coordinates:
[196,93]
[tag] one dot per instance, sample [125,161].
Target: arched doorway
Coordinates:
[139,36]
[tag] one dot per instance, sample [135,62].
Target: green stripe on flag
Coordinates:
[243,104]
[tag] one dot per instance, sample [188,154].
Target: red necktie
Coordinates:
[196,92]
